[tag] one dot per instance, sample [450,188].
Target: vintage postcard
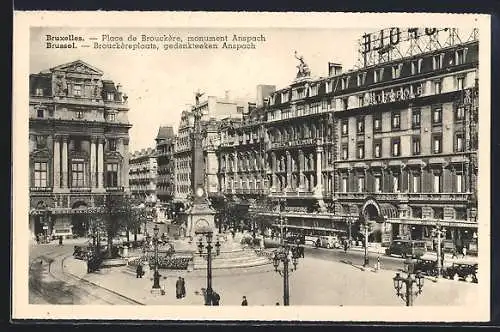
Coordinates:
[279,166]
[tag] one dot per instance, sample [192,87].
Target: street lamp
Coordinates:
[286,254]
[208,234]
[408,293]
[439,232]
[156,275]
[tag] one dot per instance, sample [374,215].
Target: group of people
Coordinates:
[180,288]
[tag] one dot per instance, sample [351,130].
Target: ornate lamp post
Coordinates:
[208,234]
[409,292]
[286,254]
[439,232]
[156,275]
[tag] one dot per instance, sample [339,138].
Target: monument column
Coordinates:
[64,180]
[57,164]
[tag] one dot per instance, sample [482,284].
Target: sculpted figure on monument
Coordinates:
[98,89]
[302,66]
[61,87]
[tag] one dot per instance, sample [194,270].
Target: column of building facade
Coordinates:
[273,169]
[288,170]
[100,163]
[236,179]
[301,169]
[93,160]
[64,162]
[125,163]
[319,178]
[57,164]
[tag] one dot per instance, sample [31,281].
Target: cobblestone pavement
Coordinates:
[316,282]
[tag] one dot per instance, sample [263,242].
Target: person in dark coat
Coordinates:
[442,257]
[60,240]
[139,271]
[215,298]
[183,287]
[178,288]
[244,302]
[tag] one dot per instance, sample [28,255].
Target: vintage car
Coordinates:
[406,248]
[461,271]
[426,266]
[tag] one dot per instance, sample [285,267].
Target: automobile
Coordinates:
[407,248]
[426,266]
[329,242]
[461,271]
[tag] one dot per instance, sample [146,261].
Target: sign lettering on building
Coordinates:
[394,94]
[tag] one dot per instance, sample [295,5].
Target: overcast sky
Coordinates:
[160,83]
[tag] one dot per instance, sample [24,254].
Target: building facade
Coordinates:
[393,143]
[165,185]
[78,145]
[143,175]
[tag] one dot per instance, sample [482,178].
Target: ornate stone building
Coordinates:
[165,186]
[143,174]
[78,145]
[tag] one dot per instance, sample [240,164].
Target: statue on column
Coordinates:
[197,96]
[302,66]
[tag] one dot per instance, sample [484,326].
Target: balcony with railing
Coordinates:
[40,189]
[404,197]
[80,189]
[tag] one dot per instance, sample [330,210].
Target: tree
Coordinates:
[116,213]
[256,213]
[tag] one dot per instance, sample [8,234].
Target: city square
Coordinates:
[355,188]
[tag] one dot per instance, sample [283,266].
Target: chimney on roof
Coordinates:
[334,69]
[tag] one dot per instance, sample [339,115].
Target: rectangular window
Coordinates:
[459,182]
[112,175]
[361,125]
[460,113]
[437,115]
[79,115]
[395,183]
[361,79]
[416,66]
[396,71]
[361,151]
[361,101]
[345,127]
[39,113]
[284,97]
[361,184]
[377,149]
[77,175]
[460,82]
[396,120]
[416,183]
[460,56]
[436,143]
[344,184]
[437,62]
[438,212]
[377,183]
[111,96]
[396,147]
[112,117]
[415,118]
[345,82]
[345,152]
[378,74]
[437,183]
[437,87]
[39,91]
[77,90]
[40,174]
[415,143]
[459,142]
[377,122]
[314,90]
[112,144]
[345,103]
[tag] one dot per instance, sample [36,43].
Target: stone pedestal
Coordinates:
[199,215]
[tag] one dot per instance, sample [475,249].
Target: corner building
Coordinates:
[78,145]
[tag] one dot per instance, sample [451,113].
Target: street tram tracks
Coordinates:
[88,288]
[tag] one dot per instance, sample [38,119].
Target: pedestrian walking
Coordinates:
[244,302]
[60,240]
[442,257]
[215,298]
[37,239]
[464,251]
[183,287]
[378,263]
[178,288]
[139,271]
[346,246]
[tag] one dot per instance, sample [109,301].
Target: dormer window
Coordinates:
[111,96]
[39,91]
[345,82]
[79,115]
[460,56]
[361,78]
[396,70]
[329,86]
[377,75]
[437,61]
[416,66]
[284,97]
[77,90]
[112,117]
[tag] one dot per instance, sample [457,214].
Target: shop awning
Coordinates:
[377,164]
[458,160]
[360,165]
[437,161]
[395,163]
[415,162]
